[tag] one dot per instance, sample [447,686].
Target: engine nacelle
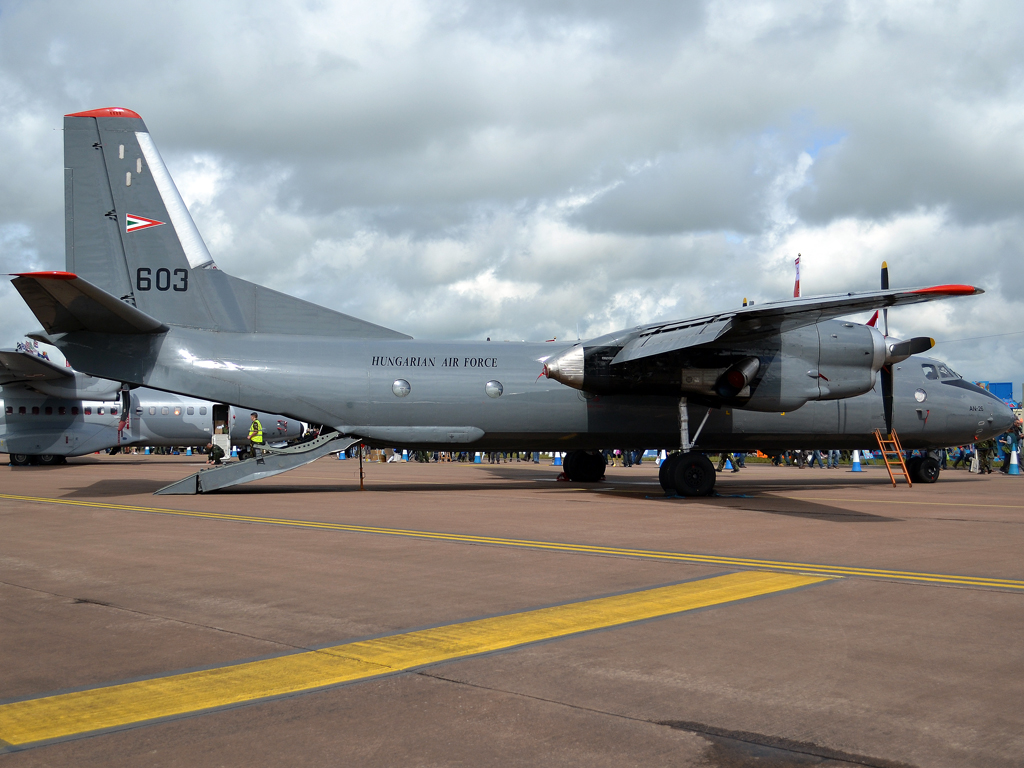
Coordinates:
[828,361]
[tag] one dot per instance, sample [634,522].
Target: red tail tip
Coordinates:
[107,112]
[49,275]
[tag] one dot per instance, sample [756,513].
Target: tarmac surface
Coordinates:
[478,615]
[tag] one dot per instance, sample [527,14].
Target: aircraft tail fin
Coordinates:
[129,233]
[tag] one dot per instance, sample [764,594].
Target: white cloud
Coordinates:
[512,170]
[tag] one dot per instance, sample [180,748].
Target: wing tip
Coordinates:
[950,290]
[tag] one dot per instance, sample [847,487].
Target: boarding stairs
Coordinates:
[273,461]
[892,456]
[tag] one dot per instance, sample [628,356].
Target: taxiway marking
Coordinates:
[817,569]
[116,706]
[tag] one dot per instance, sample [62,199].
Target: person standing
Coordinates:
[986,449]
[728,457]
[256,435]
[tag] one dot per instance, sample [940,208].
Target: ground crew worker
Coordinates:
[215,454]
[728,457]
[985,450]
[256,435]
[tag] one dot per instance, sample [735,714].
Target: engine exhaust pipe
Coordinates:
[737,377]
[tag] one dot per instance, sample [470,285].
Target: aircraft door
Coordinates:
[221,423]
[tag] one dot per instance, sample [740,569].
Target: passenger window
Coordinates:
[113,411]
[164,411]
[177,411]
[929,371]
[152,410]
[74,410]
[10,409]
[49,410]
[191,410]
[35,410]
[88,410]
[202,410]
[61,410]
[21,409]
[99,411]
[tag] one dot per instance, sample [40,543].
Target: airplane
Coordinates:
[141,301]
[52,412]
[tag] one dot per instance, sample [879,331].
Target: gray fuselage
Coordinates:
[351,385]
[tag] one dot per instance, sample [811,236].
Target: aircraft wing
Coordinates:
[22,366]
[773,317]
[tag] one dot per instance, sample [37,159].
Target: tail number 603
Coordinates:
[144,279]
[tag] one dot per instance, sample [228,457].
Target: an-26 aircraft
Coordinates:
[142,302]
[52,412]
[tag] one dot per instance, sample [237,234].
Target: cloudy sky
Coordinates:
[519,170]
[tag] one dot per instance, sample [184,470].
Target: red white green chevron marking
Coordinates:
[133,223]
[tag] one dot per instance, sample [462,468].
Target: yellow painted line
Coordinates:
[69,714]
[685,557]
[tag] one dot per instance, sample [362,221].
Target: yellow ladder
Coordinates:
[892,455]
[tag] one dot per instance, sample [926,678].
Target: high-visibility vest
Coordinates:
[256,432]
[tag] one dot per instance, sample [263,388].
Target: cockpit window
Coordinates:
[930,371]
[948,373]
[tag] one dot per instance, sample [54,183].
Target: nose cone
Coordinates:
[1002,418]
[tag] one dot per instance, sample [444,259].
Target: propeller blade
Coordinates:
[886,372]
[898,351]
[885,287]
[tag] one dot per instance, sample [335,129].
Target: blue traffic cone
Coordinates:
[856,462]
[728,464]
[342,456]
[558,459]
[1014,469]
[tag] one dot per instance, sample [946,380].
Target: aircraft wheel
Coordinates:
[595,466]
[928,470]
[48,459]
[21,459]
[569,463]
[665,476]
[914,469]
[583,466]
[694,475]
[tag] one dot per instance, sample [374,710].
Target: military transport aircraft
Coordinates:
[142,302]
[52,412]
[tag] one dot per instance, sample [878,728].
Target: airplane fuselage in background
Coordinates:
[37,425]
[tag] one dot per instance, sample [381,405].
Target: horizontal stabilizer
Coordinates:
[774,317]
[64,302]
[21,366]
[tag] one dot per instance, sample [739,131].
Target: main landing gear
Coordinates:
[28,459]
[584,466]
[687,474]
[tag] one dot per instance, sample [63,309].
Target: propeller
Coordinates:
[896,351]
